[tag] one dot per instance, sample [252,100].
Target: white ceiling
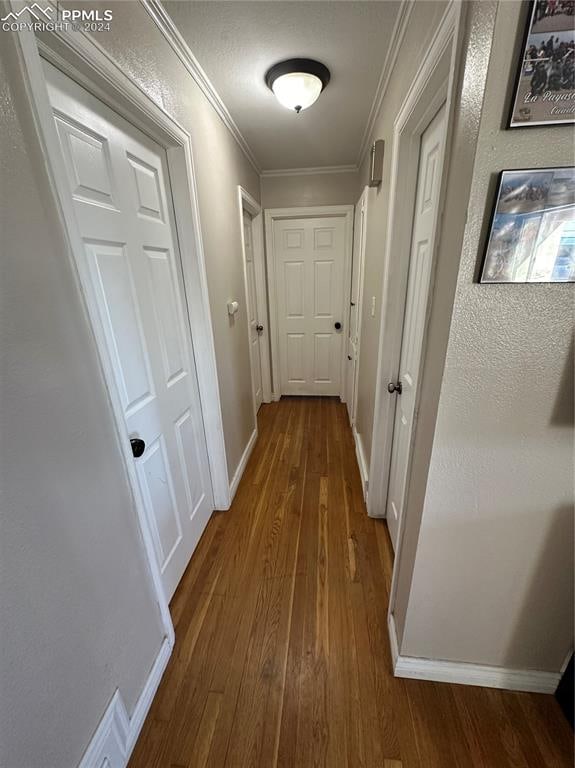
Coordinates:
[235,42]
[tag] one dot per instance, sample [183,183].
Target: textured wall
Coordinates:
[143,53]
[309,189]
[79,617]
[424,20]
[493,576]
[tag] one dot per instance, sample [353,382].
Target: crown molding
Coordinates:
[178,44]
[309,171]
[171,33]
[397,36]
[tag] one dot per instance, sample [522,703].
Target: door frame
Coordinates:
[81,58]
[309,212]
[251,206]
[363,201]
[433,85]
[420,309]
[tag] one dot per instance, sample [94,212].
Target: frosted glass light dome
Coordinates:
[297,83]
[297,90]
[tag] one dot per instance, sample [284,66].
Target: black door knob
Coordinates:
[392,387]
[337,326]
[138,447]
[259,328]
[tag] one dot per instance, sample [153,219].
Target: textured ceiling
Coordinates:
[236,42]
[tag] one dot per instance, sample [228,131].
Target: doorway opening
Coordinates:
[404,389]
[309,261]
[163,185]
[131,269]
[356,305]
[251,223]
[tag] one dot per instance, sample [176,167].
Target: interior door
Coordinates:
[425,215]
[253,312]
[355,306]
[309,259]
[121,196]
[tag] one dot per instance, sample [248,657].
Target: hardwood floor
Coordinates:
[282,656]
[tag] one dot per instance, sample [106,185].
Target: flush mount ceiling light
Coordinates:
[297,83]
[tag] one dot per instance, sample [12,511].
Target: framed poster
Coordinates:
[545,86]
[532,232]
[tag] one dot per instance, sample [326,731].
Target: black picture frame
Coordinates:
[525,216]
[513,122]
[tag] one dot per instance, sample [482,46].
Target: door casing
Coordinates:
[420,106]
[84,61]
[433,84]
[165,401]
[416,304]
[311,212]
[248,204]
[351,392]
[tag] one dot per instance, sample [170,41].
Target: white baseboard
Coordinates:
[116,735]
[276,397]
[147,696]
[109,741]
[363,470]
[242,465]
[463,673]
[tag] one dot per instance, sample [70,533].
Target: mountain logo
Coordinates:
[35,10]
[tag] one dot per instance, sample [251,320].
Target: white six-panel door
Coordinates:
[425,214]
[309,261]
[120,190]
[253,311]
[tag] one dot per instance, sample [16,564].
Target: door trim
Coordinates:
[430,88]
[85,62]
[250,205]
[433,85]
[82,59]
[310,212]
[363,201]
[413,314]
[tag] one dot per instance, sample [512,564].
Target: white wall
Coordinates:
[309,189]
[493,575]
[143,53]
[420,32]
[78,614]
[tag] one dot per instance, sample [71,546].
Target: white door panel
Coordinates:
[309,267]
[253,311]
[425,215]
[120,190]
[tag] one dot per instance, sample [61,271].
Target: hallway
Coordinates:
[282,655]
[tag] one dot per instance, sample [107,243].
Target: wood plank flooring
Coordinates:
[282,655]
